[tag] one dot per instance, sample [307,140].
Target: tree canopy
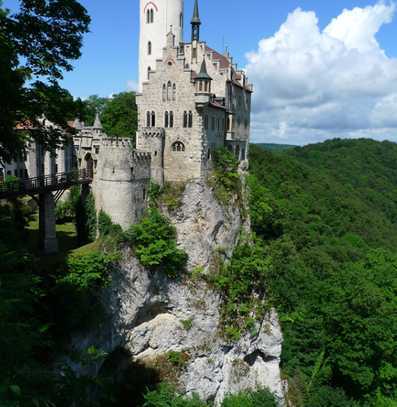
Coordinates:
[37,44]
[326,214]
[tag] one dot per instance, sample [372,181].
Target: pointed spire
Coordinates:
[97,122]
[203,74]
[196,22]
[196,14]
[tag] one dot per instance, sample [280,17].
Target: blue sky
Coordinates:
[109,56]
[110,52]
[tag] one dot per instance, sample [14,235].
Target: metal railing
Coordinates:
[45,183]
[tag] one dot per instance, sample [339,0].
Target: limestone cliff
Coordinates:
[151,315]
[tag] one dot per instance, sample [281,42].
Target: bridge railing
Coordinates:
[51,182]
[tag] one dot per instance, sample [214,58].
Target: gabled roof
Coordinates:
[216,56]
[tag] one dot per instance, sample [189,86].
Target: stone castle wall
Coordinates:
[122,182]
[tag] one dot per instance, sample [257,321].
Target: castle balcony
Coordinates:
[230,135]
[202,99]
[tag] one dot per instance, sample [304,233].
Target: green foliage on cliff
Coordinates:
[225,179]
[165,396]
[327,215]
[242,284]
[90,271]
[154,244]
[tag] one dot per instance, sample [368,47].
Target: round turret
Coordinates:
[157,19]
[122,182]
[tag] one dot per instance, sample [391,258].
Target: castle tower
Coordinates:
[122,182]
[157,18]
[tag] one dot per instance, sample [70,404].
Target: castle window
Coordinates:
[181,20]
[190,123]
[148,121]
[200,86]
[185,119]
[169,90]
[149,69]
[152,16]
[164,92]
[166,119]
[153,119]
[174,92]
[178,146]
[149,48]
[148,16]
[171,119]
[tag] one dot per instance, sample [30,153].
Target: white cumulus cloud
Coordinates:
[313,84]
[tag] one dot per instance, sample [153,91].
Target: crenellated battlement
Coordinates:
[117,143]
[157,132]
[141,156]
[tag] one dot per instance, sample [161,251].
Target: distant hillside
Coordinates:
[275,147]
[327,216]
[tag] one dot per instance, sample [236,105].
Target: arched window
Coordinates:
[166,122]
[151,15]
[149,69]
[174,92]
[148,119]
[178,146]
[164,92]
[169,90]
[153,119]
[190,120]
[181,20]
[148,16]
[149,48]
[184,119]
[171,119]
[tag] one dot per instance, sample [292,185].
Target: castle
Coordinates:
[192,100]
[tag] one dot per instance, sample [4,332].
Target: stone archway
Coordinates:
[89,163]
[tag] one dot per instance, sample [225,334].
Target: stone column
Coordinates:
[47,224]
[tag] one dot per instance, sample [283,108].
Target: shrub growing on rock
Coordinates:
[154,244]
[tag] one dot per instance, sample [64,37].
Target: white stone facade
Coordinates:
[196,100]
[156,19]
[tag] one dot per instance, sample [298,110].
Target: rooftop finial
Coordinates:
[196,22]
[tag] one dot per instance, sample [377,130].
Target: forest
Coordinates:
[326,217]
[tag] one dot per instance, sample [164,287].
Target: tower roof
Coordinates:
[196,14]
[97,122]
[203,74]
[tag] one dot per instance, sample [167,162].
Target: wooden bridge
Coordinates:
[48,188]
[47,183]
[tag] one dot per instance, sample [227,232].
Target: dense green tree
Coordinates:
[37,43]
[120,116]
[88,108]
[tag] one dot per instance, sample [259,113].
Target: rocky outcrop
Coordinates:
[152,315]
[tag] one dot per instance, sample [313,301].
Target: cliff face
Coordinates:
[151,315]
